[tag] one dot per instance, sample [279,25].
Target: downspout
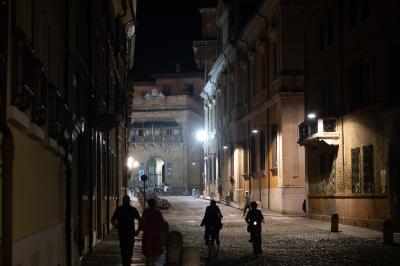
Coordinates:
[268,95]
[7,150]
[266,54]
[90,127]
[268,163]
[68,171]
[341,82]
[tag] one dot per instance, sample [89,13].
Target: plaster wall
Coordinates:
[42,248]
[38,196]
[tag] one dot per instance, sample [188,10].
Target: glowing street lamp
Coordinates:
[201,135]
[311,116]
[254,131]
[130,162]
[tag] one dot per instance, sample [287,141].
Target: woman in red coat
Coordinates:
[151,224]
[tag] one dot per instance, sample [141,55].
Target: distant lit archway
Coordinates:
[156,171]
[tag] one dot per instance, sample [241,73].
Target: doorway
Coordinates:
[156,171]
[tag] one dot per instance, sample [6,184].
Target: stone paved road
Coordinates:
[286,240]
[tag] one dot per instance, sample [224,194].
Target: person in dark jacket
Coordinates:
[152,224]
[254,218]
[212,221]
[124,219]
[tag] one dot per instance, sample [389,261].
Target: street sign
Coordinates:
[143,178]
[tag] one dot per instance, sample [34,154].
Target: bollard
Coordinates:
[174,246]
[335,223]
[228,200]
[388,232]
[190,256]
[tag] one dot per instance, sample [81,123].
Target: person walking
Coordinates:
[124,220]
[254,218]
[152,223]
[247,203]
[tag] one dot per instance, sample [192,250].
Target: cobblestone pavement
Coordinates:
[286,240]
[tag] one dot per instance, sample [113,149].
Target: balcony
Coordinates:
[109,106]
[322,131]
[156,139]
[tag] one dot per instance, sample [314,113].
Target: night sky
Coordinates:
[164,35]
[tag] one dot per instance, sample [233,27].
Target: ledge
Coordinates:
[52,144]
[36,132]
[18,118]
[358,196]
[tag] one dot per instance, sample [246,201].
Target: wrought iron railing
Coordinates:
[22,93]
[152,139]
[322,125]
[39,108]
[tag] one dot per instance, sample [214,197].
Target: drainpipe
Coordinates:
[341,81]
[90,133]
[7,150]
[68,171]
[268,163]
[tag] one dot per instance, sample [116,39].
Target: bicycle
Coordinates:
[213,246]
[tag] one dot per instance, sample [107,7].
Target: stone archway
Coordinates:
[156,171]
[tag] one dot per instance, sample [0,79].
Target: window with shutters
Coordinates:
[355,170]
[368,165]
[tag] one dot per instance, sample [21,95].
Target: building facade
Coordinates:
[166,117]
[254,102]
[63,115]
[351,135]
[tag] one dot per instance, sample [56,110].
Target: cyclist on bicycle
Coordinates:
[212,222]
[254,218]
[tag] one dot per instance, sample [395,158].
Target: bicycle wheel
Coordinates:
[211,249]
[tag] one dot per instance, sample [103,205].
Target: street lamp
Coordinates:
[201,135]
[144,179]
[311,116]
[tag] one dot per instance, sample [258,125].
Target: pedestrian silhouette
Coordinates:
[152,224]
[254,218]
[247,203]
[212,219]
[124,219]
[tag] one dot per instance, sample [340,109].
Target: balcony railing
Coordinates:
[40,87]
[22,94]
[319,129]
[110,106]
[156,139]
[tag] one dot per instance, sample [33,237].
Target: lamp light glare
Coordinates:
[193,163]
[135,164]
[129,162]
[254,131]
[201,135]
[225,147]
[311,115]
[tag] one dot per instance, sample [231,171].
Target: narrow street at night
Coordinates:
[139,132]
[287,240]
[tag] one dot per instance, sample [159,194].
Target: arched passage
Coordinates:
[156,172]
